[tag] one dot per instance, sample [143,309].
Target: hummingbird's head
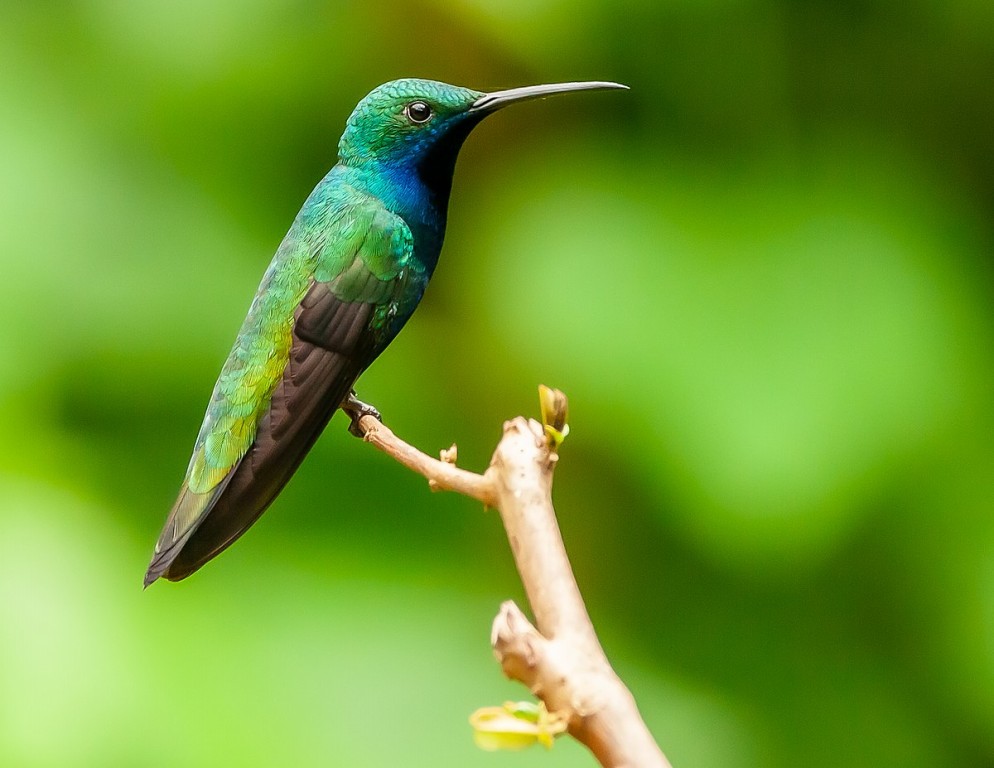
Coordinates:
[400,122]
[418,126]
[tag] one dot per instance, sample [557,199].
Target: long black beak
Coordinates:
[493,101]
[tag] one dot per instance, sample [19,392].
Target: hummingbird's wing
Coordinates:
[327,306]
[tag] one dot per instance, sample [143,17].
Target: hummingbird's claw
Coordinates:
[355,409]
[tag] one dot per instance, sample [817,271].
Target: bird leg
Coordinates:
[355,409]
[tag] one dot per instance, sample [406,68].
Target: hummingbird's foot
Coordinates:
[355,409]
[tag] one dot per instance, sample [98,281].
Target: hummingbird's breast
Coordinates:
[403,192]
[400,189]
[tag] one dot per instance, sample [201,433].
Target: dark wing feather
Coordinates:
[331,346]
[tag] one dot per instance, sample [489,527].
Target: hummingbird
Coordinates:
[350,272]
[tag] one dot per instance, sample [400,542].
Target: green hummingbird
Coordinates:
[348,275]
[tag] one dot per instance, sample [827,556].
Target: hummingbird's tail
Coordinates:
[190,506]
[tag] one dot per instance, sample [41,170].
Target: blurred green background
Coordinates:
[763,276]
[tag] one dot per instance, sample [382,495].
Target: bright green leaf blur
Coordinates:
[763,277]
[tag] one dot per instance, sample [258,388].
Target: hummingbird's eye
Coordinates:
[418,112]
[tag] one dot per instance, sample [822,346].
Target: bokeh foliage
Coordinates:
[763,276]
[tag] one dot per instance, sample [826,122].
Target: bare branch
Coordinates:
[560,660]
[442,475]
